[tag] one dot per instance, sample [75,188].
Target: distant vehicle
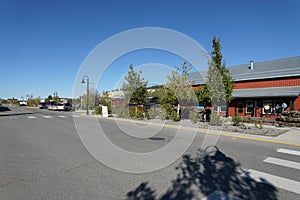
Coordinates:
[43,105]
[52,105]
[23,103]
[64,107]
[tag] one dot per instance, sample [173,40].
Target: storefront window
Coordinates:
[267,107]
[249,106]
[240,107]
[278,106]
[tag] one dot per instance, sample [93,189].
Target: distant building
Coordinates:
[117,97]
[262,89]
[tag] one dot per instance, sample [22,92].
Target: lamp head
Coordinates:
[82,80]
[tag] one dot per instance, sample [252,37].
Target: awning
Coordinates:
[267,92]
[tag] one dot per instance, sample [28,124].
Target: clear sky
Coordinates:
[43,43]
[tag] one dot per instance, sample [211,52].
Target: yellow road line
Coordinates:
[208,132]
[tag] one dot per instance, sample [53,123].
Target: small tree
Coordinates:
[105,100]
[219,83]
[179,85]
[134,87]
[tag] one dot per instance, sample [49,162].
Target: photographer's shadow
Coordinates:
[212,174]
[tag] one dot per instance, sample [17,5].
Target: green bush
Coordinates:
[132,112]
[121,111]
[236,120]
[154,112]
[163,114]
[98,110]
[147,115]
[175,117]
[193,116]
[215,119]
[258,125]
[140,113]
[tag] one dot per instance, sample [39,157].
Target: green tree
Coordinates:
[48,99]
[105,100]
[219,83]
[134,87]
[179,85]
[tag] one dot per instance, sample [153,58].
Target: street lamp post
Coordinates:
[87,92]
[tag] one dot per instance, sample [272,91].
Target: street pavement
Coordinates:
[43,157]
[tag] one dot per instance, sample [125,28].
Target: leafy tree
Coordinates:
[134,87]
[219,83]
[217,59]
[93,95]
[179,85]
[48,99]
[105,100]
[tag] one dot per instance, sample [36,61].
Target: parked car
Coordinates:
[43,105]
[23,103]
[64,107]
[52,105]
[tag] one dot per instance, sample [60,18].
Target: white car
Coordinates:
[63,107]
[52,106]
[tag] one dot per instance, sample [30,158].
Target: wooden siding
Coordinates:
[268,83]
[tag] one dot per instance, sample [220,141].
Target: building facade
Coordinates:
[262,89]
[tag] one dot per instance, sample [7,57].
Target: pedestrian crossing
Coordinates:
[274,179]
[32,117]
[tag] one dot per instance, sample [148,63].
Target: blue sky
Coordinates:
[44,43]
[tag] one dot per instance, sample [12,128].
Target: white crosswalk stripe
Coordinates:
[47,116]
[62,116]
[31,117]
[281,162]
[277,181]
[287,151]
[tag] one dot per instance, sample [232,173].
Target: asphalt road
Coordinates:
[42,157]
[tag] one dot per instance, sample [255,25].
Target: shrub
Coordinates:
[193,116]
[154,112]
[147,115]
[236,120]
[258,125]
[139,114]
[163,114]
[98,110]
[132,112]
[215,119]
[175,118]
[121,111]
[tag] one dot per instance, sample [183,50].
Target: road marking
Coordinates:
[220,195]
[277,181]
[287,151]
[76,116]
[281,162]
[204,131]
[61,116]
[31,117]
[47,116]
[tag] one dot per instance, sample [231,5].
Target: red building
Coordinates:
[263,89]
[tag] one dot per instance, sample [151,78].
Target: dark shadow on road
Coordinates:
[13,114]
[207,174]
[156,138]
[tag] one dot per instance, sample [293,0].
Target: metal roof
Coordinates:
[267,92]
[286,67]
